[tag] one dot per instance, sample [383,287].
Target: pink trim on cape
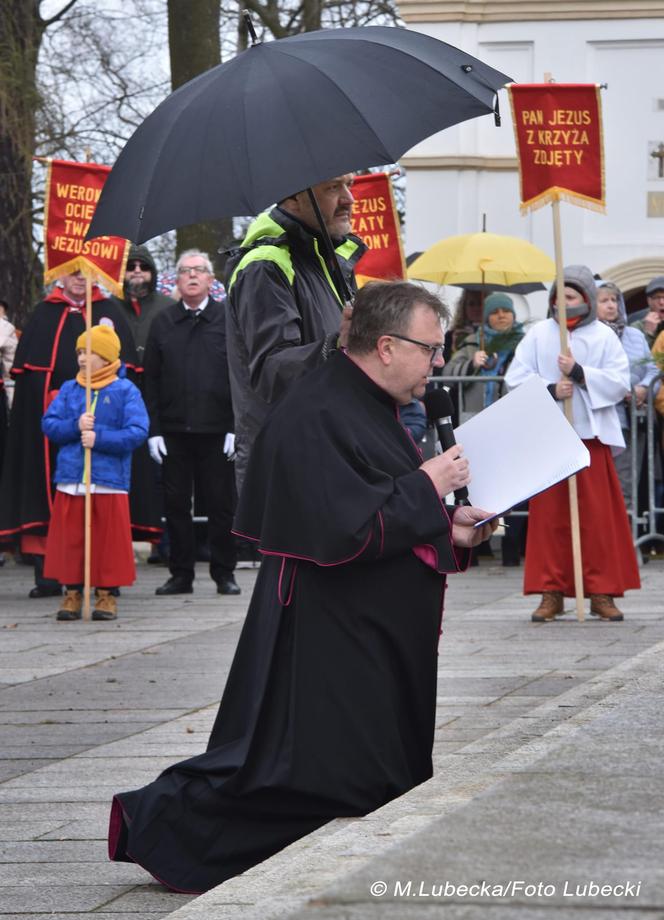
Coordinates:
[427,553]
[274,552]
[291,584]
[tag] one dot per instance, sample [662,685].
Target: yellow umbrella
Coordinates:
[485,260]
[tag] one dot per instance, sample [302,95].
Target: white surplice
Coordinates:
[598,350]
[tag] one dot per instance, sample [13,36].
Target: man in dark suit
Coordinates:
[191,423]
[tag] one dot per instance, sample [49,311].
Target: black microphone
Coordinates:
[439,412]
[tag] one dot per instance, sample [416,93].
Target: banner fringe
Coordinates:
[83,265]
[555,193]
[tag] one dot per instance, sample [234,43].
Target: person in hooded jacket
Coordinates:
[141,302]
[642,371]
[487,352]
[595,374]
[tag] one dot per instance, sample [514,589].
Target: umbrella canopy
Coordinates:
[283,116]
[486,261]
[527,288]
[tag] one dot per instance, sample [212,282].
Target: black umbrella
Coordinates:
[283,116]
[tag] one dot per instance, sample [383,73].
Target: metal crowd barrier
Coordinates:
[644,525]
[653,515]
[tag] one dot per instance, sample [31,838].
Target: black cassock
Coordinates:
[329,706]
[45,358]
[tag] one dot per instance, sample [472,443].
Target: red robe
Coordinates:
[607,551]
[45,358]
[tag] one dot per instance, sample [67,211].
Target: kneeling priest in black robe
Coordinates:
[329,706]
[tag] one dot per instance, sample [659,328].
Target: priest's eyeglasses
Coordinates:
[435,351]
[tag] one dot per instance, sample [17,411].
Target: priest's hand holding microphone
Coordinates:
[449,471]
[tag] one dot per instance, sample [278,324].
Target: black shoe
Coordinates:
[175,585]
[228,586]
[46,591]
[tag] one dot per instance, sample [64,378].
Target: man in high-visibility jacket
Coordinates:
[284,315]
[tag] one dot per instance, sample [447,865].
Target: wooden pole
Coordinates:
[87,464]
[564,349]
[482,342]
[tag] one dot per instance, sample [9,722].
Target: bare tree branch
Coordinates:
[45,23]
[88,75]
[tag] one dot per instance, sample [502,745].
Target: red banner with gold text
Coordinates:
[72,193]
[558,129]
[376,222]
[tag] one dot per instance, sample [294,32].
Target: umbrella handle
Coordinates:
[343,291]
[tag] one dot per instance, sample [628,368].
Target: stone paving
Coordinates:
[548,759]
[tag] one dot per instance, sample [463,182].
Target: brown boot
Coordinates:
[105,606]
[601,605]
[70,609]
[549,608]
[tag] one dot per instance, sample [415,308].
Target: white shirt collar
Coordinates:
[200,307]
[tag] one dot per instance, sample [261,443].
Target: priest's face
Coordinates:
[414,358]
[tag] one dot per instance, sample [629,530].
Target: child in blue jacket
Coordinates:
[115,426]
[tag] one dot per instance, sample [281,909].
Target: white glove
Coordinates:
[229,446]
[157,448]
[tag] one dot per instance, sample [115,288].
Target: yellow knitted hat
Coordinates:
[103,342]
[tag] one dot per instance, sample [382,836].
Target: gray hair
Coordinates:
[612,286]
[384,307]
[195,252]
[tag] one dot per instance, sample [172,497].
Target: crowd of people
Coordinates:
[290,418]
[603,375]
[208,371]
[283,317]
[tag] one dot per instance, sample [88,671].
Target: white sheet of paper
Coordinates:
[519,446]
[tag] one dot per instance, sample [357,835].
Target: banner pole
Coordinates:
[87,460]
[482,342]
[564,349]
